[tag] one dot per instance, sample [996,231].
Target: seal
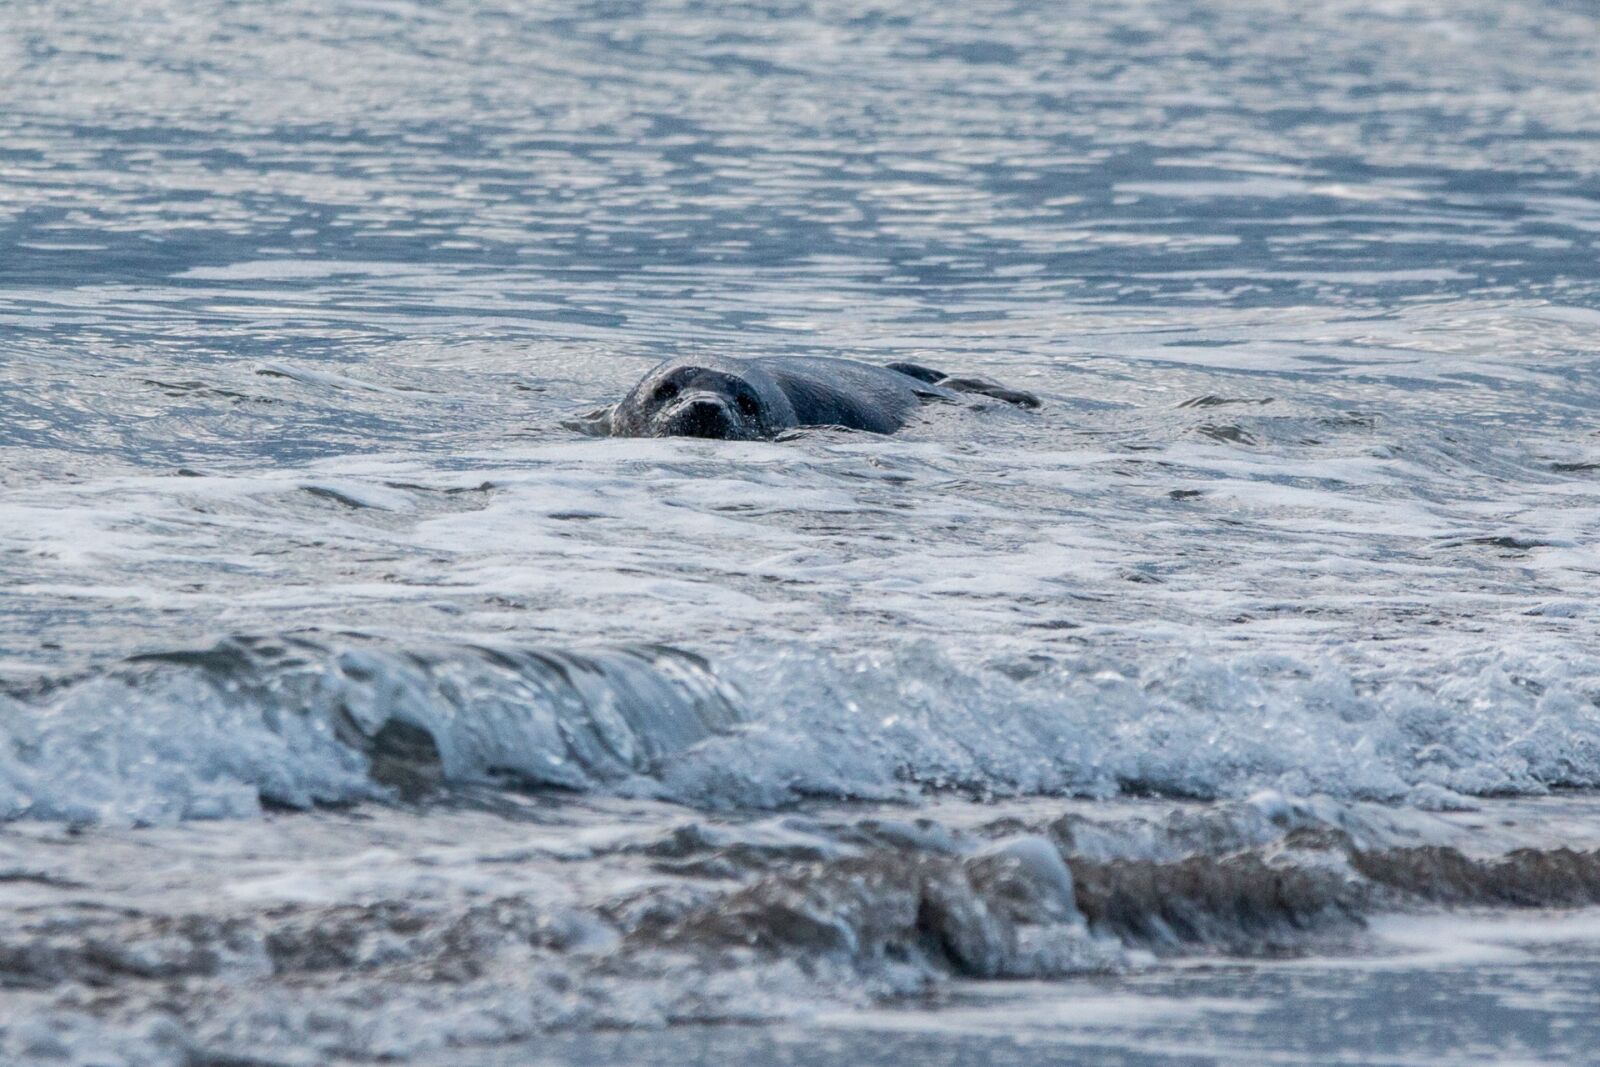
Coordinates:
[760,398]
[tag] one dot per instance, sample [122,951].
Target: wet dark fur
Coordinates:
[754,399]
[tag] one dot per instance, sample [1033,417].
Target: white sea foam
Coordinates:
[215,734]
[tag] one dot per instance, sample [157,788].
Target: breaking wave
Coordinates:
[297,721]
[303,720]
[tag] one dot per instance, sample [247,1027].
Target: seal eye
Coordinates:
[666,391]
[748,407]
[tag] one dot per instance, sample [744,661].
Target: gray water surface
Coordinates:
[297,300]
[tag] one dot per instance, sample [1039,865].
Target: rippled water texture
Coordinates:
[1328,270]
[297,299]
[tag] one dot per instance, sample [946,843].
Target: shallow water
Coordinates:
[1510,997]
[296,300]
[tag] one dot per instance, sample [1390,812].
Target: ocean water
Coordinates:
[355,706]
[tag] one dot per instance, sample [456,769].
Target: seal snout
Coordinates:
[701,414]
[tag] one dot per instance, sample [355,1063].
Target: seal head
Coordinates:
[723,399]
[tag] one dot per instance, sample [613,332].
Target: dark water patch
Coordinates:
[1212,400]
[323,492]
[205,390]
[969,917]
[1524,878]
[1240,904]
[1227,433]
[1507,541]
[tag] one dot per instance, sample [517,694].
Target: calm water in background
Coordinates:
[294,301]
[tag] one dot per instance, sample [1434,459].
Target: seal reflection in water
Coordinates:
[753,399]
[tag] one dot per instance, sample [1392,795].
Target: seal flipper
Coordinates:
[919,372]
[980,386]
[984,387]
[927,376]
